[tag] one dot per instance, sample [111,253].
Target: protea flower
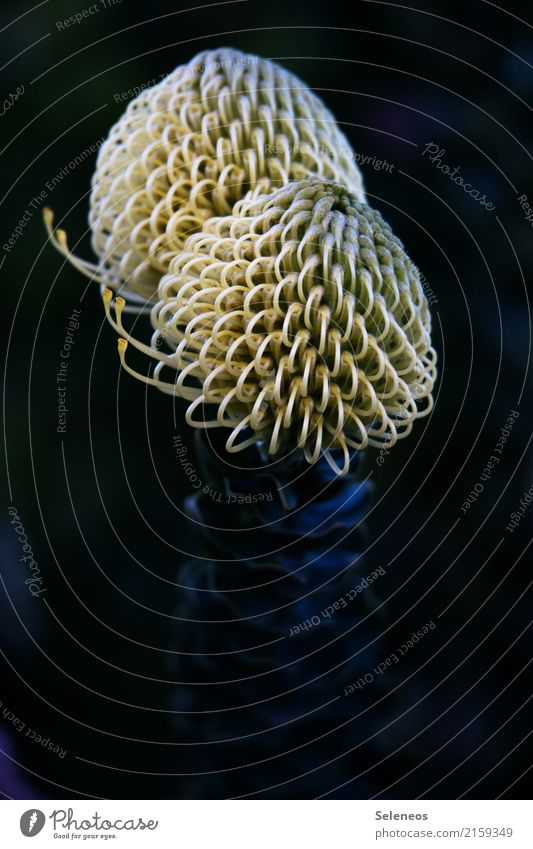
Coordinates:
[188,148]
[227,197]
[300,320]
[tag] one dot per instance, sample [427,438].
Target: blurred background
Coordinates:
[87,658]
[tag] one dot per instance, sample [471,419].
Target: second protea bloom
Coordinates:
[189,148]
[298,321]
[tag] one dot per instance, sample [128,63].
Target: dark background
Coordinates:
[101,504]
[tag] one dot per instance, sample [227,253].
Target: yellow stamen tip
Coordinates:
[61,237]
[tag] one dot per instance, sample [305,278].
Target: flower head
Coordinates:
[189,147]
[300,320]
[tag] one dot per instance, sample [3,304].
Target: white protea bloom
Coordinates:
[189,148]
[299,320]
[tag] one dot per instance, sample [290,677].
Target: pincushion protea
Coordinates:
[188,148]
[300,319]
[297,316]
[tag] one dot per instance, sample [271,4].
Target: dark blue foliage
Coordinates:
[264,665]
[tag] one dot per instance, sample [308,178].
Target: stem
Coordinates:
[273,628]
